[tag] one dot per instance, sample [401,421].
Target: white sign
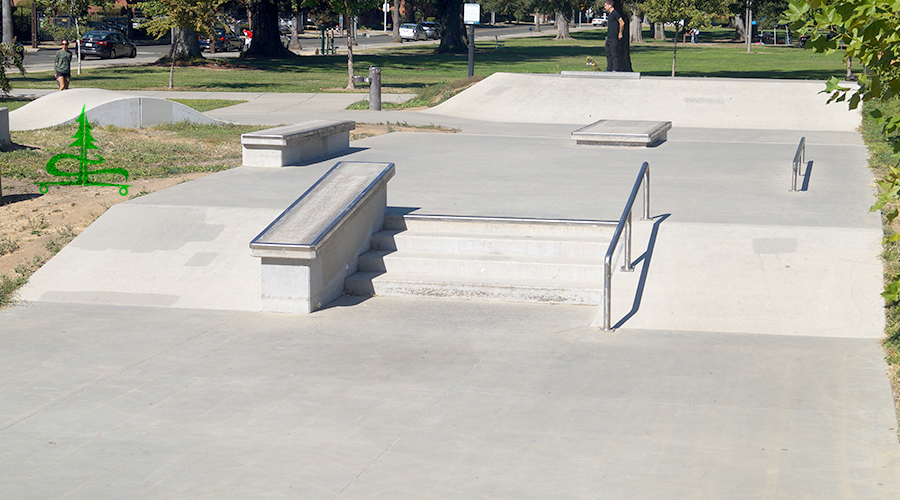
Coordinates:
[471,13]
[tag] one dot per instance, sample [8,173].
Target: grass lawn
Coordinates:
[412,68]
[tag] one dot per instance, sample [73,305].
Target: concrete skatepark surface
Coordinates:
[746,363]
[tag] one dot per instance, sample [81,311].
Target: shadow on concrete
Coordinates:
[338,154]
[645,269]
[806,176]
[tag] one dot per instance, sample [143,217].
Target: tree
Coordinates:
[10,58]
[869,31]
[349,9]
[693,13]
[395,23]
[183,19]
[452,40]
[266,32]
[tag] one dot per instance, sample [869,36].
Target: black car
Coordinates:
[106,44]
[224,41]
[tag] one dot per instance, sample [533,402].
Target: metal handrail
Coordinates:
[799,158]
[623,226]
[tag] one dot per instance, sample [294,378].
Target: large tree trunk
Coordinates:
[659,31]
[185,43]
[740,27]
[7,23]
[537,22]
[562,26]
[266,34]
[451,17]
[636,34]
[625,44]
[395,19]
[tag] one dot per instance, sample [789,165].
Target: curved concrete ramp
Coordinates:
[103,107]
[686,102]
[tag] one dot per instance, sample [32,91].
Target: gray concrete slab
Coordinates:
[746,364]
[396,398]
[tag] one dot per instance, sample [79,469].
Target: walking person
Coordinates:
[615,28]
[62,66]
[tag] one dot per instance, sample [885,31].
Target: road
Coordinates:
[42,60]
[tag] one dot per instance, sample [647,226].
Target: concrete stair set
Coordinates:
[503,259]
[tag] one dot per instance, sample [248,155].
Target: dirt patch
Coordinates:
[33,225]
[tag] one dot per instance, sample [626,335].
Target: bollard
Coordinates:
[374,88]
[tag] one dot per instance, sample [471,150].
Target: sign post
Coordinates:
[471,17]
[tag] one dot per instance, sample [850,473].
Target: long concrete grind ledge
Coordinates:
[102,107]
[729,103]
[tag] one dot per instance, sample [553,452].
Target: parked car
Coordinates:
[106,44]
[412,31]
[432,30]
[224,41]
[599,20]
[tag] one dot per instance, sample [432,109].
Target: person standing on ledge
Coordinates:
[63,66]
[615,27]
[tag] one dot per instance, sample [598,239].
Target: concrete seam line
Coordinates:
[426,412]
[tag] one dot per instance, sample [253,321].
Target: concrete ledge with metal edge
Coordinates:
[622,133]
[617,75]
[308,251]
[296,144]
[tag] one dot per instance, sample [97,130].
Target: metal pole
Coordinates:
[374,88]
[628,267]
[646,193]
[471,50]
[34,25]
[607,302]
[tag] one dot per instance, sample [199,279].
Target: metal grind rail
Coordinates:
[624,227]
[799,159]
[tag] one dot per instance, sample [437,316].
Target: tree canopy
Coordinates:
[868,31]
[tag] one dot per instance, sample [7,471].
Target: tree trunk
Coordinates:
[636,34]
[451,17]
[295,40]
[537,22]
[266,34]
[659,31]
[674,50]
[562,26]
[395,19]
[350,83]
[740,28]
[185,43]
[7,23]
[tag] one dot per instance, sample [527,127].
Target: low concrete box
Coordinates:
[296,144]
[311,248]
[622,133]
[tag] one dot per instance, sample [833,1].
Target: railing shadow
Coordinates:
[645,269]
[806,176]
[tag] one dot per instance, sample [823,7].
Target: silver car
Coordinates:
[412,31]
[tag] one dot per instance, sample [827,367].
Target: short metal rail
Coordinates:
[624,227]
[799,159]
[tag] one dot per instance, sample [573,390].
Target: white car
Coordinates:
[412,31]
[599,20]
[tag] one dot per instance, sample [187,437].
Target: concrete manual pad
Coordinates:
[622,133]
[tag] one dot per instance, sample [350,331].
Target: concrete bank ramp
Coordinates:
[686,102]
[102,107]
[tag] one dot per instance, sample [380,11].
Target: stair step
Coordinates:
[499,225]
[502,266]
[591,247]
[485,288]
